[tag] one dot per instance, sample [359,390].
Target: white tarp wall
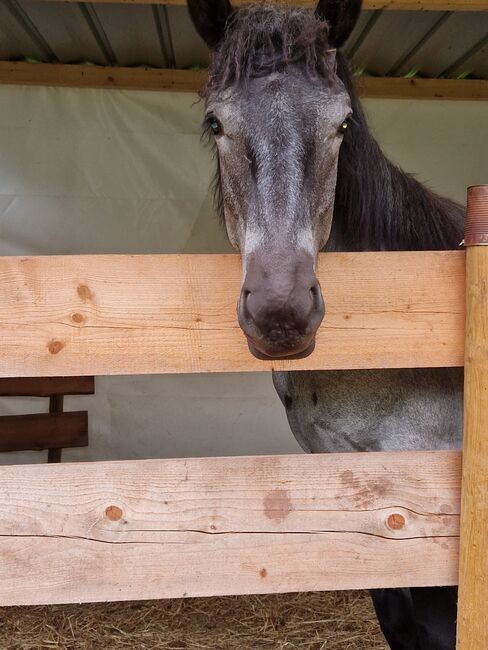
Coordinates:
[93,171]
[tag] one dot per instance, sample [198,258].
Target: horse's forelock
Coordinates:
[261,39]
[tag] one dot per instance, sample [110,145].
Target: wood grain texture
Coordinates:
[216,526]
[90,76]
[473,570]
[395,88]
[390,5]
[121,314]
[46,386]
[43,431]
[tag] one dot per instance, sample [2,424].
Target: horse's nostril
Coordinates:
[316,294]
[244,297]
[243,307]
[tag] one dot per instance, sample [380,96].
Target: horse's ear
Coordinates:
[210,18]
[341,15]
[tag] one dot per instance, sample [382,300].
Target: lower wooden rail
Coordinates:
[216,526]
[46,386]
[43,431]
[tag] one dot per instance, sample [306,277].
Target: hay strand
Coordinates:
[307,621]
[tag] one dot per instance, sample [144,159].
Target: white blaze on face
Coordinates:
[253,241]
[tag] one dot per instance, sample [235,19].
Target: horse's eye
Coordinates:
[215,125]
[343,127]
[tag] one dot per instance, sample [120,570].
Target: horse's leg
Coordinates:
[420,618]
[435,614]
[395,612]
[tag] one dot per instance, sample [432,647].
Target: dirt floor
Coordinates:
[310,621]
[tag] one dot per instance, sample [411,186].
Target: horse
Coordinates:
[299,172]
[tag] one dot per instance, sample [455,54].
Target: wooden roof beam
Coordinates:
[140,78]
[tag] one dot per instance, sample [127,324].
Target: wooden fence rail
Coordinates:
[122,314]
[216,526]
[46,386]
[39,431]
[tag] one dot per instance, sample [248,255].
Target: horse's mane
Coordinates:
[261,39]
[377,205]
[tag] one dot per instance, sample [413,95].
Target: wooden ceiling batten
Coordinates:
[140,78]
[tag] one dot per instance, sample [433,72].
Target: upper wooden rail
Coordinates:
[391,5]
[128,314]
[216,526]
[141,78]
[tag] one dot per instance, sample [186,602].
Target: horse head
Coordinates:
[278,114]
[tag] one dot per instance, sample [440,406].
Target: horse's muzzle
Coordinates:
[281,307]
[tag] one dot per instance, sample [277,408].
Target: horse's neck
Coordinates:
[380,207]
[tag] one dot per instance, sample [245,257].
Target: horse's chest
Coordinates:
[372,410]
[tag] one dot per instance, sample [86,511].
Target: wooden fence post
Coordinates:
[472,632]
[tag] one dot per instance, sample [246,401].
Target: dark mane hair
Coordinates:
[262,39]
[377,205]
